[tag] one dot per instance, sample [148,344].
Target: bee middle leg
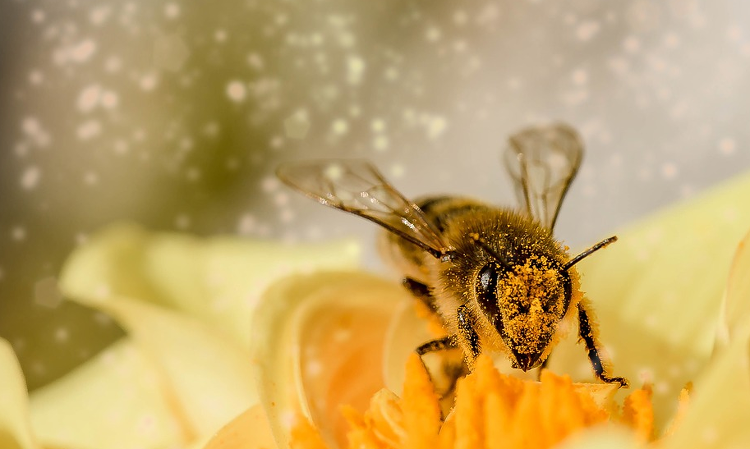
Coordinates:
[586,334]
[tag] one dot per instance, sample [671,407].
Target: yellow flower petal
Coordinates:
[218,280]
[318,345]
[115,401]
[250,430]
[657,293]
[15,431]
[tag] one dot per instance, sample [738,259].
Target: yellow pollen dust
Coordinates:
[526,291]
[492,410]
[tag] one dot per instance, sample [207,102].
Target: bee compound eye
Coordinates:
[486,292]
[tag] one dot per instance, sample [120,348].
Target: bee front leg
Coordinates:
[586,333]
[421,292]
[468,335]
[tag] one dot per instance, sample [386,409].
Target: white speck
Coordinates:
[18,233]
[380,143]
[171,10]
[355,69]
[342,335]
[586,30]
[281,199]
[378,125]
[269,184]
[631,44]
[30,177]
[99,15]
[297,125]
[91,178]
[36,77]
[255,61]
[47,293]
[38,16]
[83,51]
[109,99]
[62,334]
[709,435]
[397,171]
[246,224]
[89,98]
[193,174]
[734,33]
[182,221]
[580,77]
[221,36]
[727,146]
[148,81]
[113,64]
[334,172]
[432,34]
[314,368]
[236,91]
[286,216]
[340,126]
[460,17]
[89,129]
[669,170]
[435,126]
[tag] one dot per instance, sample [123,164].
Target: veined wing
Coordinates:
[542,162]
[357,187]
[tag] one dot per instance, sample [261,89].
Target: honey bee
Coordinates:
[496,277]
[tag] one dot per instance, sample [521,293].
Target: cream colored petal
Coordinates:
[114,401]
[719,411]
[204,373]
[318,343]
[657,293]
[736,310]
[250,430]
[216,280]
[15,430]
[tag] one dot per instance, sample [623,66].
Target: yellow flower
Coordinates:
[194,359]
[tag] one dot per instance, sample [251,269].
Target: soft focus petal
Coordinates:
[15,432]
[318,343]
[719,411]
[657,293]
[207,376]
[736,311]
[250,430]
[186,302]
[217,280]
[115,401]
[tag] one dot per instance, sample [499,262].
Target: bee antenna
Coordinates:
[589,251]
[500,259]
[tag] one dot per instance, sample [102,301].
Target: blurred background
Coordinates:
[174,114]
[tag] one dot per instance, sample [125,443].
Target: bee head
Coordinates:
[525,303]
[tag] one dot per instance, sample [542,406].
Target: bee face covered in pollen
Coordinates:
[515,283]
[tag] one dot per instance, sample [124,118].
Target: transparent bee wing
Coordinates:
[542,162]
[357,187]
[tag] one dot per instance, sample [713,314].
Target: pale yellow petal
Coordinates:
[15,430]
[657,293]
[114,401]
[217,280]
[736,310]
[206,374]
[318,344]
[250,430]
[719,410]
